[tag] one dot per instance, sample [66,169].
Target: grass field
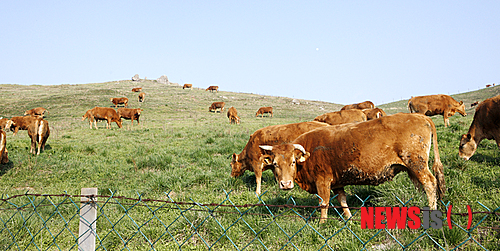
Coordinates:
[182,149]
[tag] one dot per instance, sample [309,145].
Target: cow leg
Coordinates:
[323,192]
[258,178]
[423,176]
[33,144]
[446,119]
[342,199]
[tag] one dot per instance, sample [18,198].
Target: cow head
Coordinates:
[461,109]
[467,147]
[285,158]
[10,125]
[236,166]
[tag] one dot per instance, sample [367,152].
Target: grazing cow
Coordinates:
[39,111]
[374,113]
[105,113]
[361,106]
[88,115]
[367,153]
[474,104]
[119,101]
[138,89]
[484,126]
[187,86]
[20,123]
[142,96]
[217,105]
[3,122]
[249,158]
[342,117]
[488,85]
[437,105]
[4,154]
[132,114]
[213,88]
[232,114]
[263,110]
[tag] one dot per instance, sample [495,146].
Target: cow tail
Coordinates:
[438,166]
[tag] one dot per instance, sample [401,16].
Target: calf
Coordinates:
[39,111]
[232,114]
[4,154]
[250,158]
[374,113]
[213,88]
[484,126]
[217,105]
[342,117]
[437,105]
[137,89]
[187,86]
[105,113]
[142,96]
[361,106]
[262,110]
[132,114]
[366,153]
[19,123]
[119,101]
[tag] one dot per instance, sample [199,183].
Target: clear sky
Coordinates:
[336,51]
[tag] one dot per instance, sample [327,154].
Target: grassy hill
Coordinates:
[183,149]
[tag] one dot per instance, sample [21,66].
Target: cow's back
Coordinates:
[487,116]
[342,117]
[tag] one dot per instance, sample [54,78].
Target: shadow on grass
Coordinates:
[4,168]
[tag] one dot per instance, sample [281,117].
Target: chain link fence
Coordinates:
[58,222]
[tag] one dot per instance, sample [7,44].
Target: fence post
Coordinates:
[88,215]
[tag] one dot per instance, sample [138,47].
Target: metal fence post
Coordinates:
[88,215]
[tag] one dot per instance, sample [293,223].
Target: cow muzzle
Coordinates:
[286,185]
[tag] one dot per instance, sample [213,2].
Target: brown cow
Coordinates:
[488,85]
[213,88]
[342,117]
[3,122]
[361,106]
[4,154]
[138,89]
[366,153]
[105,113]
[263,110]
[88,115]
[232,114]
[39,132]
[19,123]
[249,158]
[187,86]
[437,105]
[374,113]
[142,96]
[39,111]
[484,126]
[132,114]
[217,105]
[119,101]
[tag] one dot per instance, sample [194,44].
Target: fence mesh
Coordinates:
[51,222]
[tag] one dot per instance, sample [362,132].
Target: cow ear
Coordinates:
[303,157]
[469,136]
[235,157]
[266,159]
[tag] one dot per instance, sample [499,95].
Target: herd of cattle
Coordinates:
[361,145]
[358,145]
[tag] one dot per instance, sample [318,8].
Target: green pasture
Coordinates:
[181,151]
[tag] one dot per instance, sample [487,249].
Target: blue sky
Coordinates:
[336,51]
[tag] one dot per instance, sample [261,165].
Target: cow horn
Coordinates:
[266,147]
[300,147]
